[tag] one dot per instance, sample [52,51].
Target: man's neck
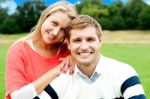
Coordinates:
[88,71]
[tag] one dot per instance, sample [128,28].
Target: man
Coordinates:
[95,76]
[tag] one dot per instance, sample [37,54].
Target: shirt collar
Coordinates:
[90,80]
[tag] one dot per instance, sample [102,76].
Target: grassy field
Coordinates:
[132,47]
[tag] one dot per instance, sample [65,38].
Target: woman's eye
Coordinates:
[54,23]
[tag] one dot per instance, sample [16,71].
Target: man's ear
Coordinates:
[101,42]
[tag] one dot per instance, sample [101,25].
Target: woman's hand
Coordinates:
[69,63]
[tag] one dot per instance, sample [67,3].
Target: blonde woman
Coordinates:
[30,60]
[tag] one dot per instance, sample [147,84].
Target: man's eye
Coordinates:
[90,39]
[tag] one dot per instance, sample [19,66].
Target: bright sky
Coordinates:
[147,1]
[12,4]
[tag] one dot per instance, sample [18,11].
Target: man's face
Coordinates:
[84,45]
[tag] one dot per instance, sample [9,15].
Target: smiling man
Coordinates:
[95,76]
[84,44]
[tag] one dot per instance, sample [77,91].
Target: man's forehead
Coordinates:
[89,32]
[87,28]
[83,31]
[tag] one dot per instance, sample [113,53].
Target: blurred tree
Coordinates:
[105,23]
[131,11]
[144,18]
[28,14]
[9,26]
[93,8]
[3,15]
[114,8]
[115,17]
[135,14]
[87,4]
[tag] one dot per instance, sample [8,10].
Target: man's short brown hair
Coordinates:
[82,21]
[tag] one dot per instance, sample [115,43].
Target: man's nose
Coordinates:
[84,45]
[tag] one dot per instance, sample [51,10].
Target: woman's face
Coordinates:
[53,28]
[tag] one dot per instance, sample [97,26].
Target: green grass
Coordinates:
[3,51]
[137,55]
[12,36]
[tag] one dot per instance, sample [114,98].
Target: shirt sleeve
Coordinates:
[131,87]
[26,92]
[16,76]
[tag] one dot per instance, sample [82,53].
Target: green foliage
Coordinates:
[143,18]
[10,26]
[3,15]
[28,14]
[105,23]
[90,7]
[134,14]
[116,19]
[131,11]
[23,20]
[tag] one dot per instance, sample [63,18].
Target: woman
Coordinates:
[30,60]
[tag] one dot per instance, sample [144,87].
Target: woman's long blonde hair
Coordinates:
[58,6]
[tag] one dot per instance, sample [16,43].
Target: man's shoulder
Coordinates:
[114,65]
[113,62]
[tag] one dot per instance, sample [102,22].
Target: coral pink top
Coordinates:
[24,65]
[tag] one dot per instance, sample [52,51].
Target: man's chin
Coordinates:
[84,62]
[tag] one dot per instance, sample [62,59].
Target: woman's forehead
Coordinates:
[61,18]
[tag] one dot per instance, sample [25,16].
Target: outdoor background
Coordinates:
[125,23]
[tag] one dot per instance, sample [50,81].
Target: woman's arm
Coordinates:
[48,77]
[33,89]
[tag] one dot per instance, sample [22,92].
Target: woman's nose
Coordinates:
[56,31]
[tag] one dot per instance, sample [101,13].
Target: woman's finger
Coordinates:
[67,64]
[72,65]
[61,59]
